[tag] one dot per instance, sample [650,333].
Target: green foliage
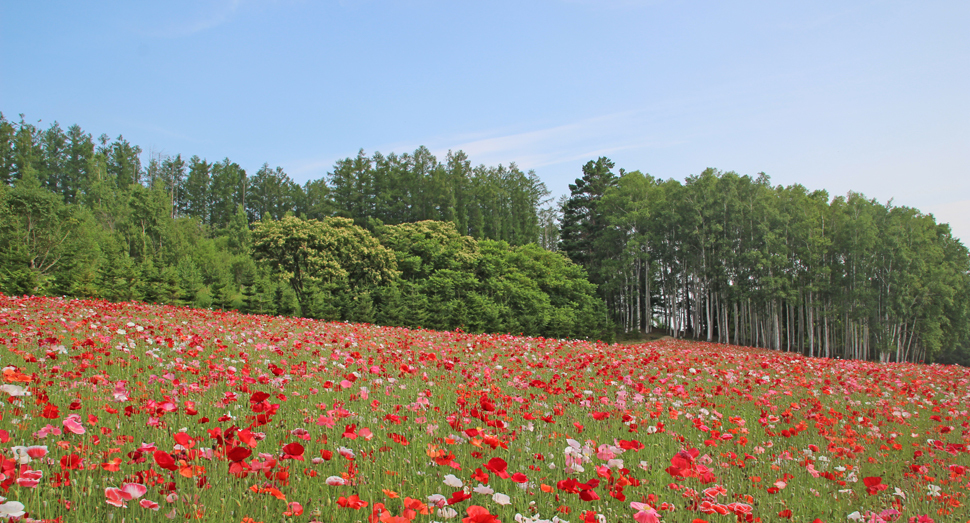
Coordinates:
[119,277]
[44,235]
[239,237]
[123,163]
[484,202]
[452,281]
[7,151]
[424,247]
[730,258]
[321,258]
[584,222]
[413,241]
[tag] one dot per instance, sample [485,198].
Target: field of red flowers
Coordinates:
[132,412]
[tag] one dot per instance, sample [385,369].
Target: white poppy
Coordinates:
[501,499]
[453,481]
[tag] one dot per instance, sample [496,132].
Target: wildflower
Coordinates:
[14,390]
[73,424]
[874,484]
[446,513]
[483,489]
[117,497]
[477,514]
[501,499]
[353,502]
[453,481]
[11,509]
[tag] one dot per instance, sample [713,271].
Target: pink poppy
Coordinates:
[73,424]
[116,497]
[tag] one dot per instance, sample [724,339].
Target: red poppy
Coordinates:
[165,460]
[353,502]
[50,412]
[874,484]
[71,462]
[293,451]
[184,440]
[397,438]
[238,453]
[458,496]
[477,514]
[481,476]
[498,466]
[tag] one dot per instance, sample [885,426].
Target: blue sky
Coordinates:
[870,96]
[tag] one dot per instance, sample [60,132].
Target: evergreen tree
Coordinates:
[238,233]
[271,194]
[228,190]
[197,190]
[173,178]
[7,140]
[223,292]
[77,165]
[27,153]
[152,287]
[351,188]
[583,221]
[190,280]
[53,169]
[124,163]
[170,291]
[250,300]
[312,201]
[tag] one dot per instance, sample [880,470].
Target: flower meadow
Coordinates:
[132,412]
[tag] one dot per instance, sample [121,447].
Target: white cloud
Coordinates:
[196,21]
[615,3]
[583,139]
[310,169]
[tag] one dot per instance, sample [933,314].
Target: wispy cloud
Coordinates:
[582,139]
[615,3]
[534,148]
[198,20]
[311,168]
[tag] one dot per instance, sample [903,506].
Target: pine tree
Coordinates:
[197,190]
[77,166]
[583,222]
[124,164]
[7,134]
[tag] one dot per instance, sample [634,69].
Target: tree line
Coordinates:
[84,217]
[718,257]
[732,259]
[497,202]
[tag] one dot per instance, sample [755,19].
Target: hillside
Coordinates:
[217,416]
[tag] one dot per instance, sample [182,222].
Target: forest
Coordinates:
[400,240]
[732,259]
[411,240]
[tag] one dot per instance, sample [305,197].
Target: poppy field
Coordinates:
[134,413]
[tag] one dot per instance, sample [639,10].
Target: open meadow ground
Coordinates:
[134,413]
